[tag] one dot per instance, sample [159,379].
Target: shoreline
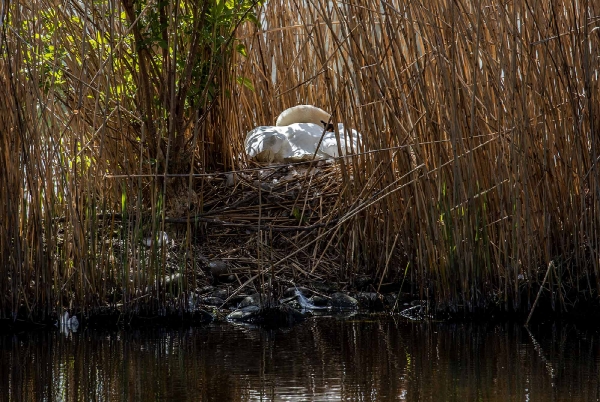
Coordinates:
[367,303]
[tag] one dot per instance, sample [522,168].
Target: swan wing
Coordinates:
[304,138]
[349,138]
[267,144]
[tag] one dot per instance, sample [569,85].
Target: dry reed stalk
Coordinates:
[480,120]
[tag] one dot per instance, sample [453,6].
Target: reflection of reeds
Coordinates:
[325,359]
[478,168]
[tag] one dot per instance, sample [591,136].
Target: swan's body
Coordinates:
[349,139]
[296,135]
[295,142]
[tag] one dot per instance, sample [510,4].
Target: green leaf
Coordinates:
[123,199]
[245,82]
[298,216]
[162,43]
[241,49]
[253,19]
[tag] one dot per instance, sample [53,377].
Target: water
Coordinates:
[355,359]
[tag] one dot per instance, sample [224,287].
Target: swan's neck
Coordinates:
[302,114]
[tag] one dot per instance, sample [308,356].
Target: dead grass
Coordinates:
[479,166]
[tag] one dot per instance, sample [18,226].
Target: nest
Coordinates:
[281,219]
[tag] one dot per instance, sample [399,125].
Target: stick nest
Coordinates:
[281,219]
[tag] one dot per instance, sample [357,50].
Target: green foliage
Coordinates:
[181,31]
[245,82]
[205,36]
[49,56]
[299,216]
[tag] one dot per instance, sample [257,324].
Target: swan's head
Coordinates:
[302,114]
[328,126]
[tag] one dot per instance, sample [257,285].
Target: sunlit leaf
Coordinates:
[245,82]
[241,49]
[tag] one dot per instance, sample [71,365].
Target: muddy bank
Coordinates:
[283,305]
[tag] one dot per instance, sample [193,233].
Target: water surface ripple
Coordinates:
[326,358]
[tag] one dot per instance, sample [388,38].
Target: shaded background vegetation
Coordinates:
[478,179]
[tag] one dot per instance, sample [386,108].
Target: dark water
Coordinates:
[357,359]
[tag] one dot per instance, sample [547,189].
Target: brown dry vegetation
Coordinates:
[478,179]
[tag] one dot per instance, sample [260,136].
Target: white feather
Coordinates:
[349,139]
[268,144]
[302,114]
[296,136]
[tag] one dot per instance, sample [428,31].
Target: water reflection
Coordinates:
[326,358]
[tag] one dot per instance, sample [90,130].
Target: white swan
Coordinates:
[296,135]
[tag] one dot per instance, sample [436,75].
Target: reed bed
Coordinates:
[477,183]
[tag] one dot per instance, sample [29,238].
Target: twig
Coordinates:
[550,265]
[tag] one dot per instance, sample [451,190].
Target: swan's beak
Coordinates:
[327,126]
